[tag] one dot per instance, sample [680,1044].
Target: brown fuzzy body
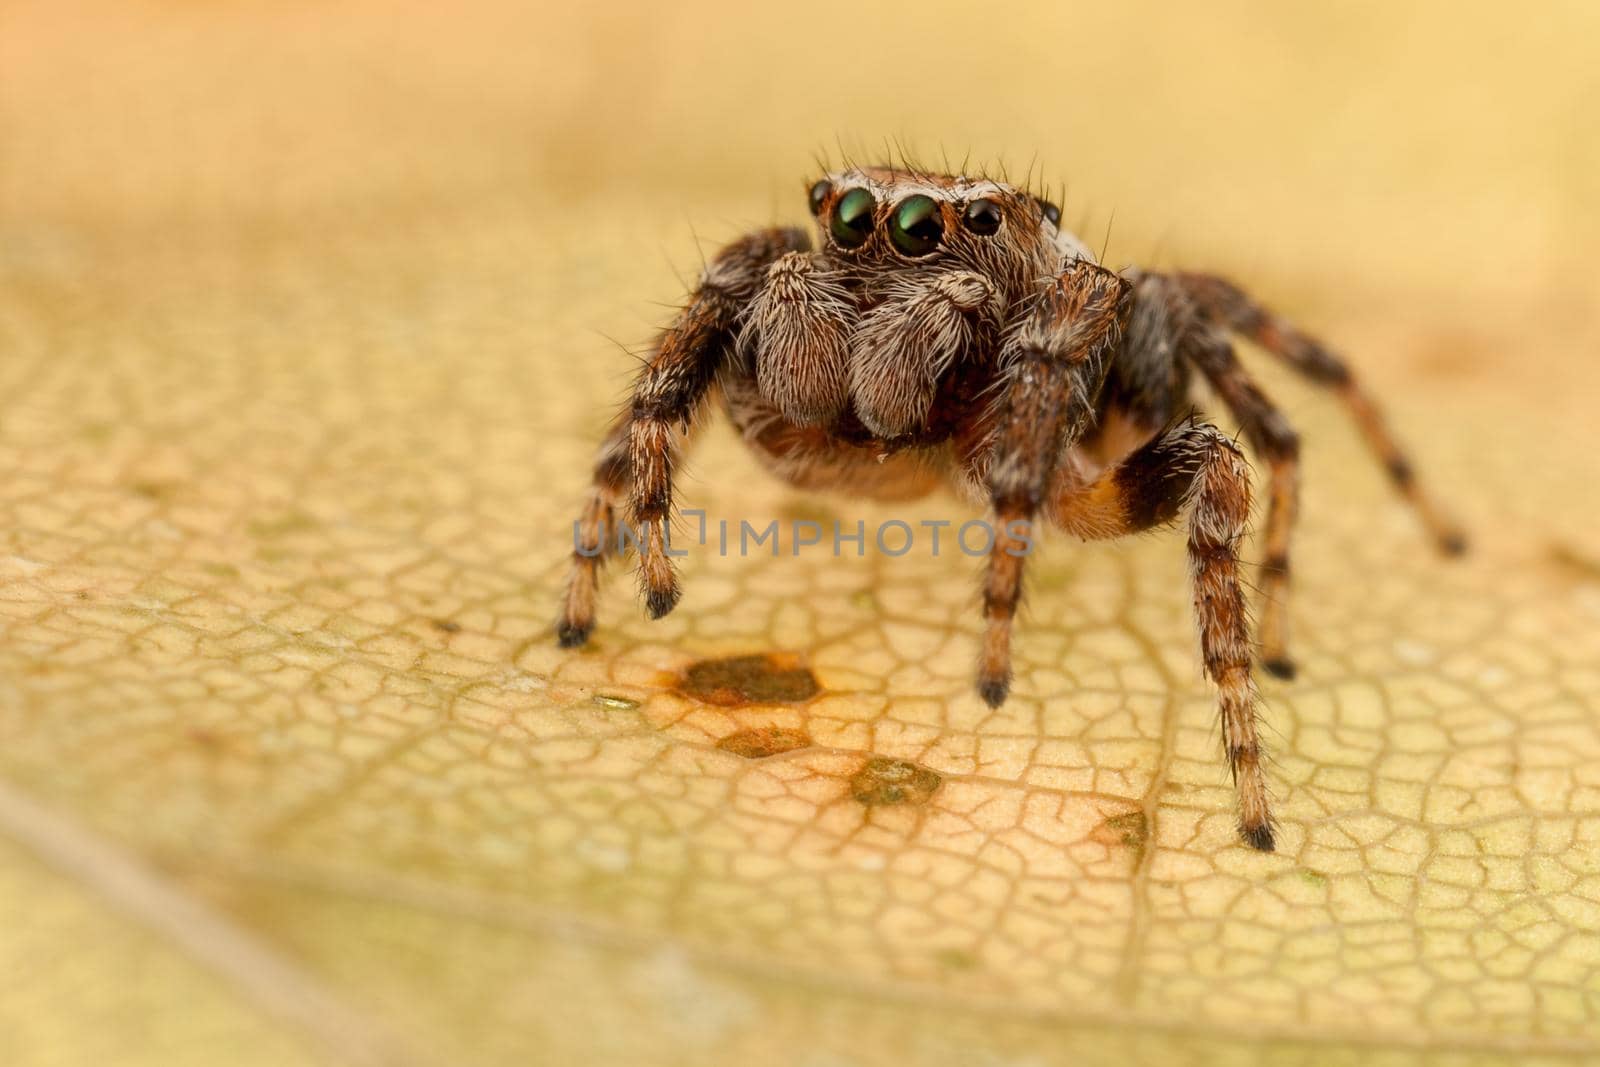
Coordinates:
[948,332]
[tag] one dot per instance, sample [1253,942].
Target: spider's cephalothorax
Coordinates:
[948,330]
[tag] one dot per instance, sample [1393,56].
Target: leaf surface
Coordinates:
[303,360]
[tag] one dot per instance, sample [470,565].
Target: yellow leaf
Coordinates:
[303,359]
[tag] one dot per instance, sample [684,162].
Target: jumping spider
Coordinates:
[949,330]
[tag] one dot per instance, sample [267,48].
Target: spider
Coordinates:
[949,331]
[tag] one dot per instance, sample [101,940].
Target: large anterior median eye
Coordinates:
[915,227]
[852,219]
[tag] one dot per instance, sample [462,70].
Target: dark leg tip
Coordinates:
[1279,667]
[1453,543]
[661,601]
[994,690]
[571,635]
[1259,837]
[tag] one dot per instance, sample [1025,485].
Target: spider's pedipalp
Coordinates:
[796,335]
[903,346]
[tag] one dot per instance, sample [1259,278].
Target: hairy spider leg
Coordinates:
[1057,366]
[1228,305]
[1193,466]
[670,391]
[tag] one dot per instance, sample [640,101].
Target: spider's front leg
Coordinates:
[1057,360]
[639,454]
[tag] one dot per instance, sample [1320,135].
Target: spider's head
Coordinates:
[881,217]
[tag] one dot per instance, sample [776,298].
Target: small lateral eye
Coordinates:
[819,194]
[1051,212]
[915,227]
[852,219]
[982,217]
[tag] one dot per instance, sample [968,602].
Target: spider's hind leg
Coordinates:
[1149,385]
[1228,305]
[1193,466]
[1275,441]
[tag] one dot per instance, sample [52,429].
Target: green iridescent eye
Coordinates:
[916,227]
[852,219]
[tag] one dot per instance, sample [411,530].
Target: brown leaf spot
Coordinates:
[882,781]
[151,490]
[1129,830]
[1574,560]
[281,525]
[1454,354]
[764,741]
[207,739]
[770,678]
[956,959]
[446,626]
[802,510]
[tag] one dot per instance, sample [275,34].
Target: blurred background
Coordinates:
[310,315]
[1437,145]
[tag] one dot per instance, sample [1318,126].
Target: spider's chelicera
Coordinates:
[948,331]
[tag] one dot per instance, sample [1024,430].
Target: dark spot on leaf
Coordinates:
[882,781]
[1574,560]
[447,626]
[1454,354]
[1130,830]
[801,510]
[956,959]
[764,741]
[772,678]
[206,739]
[283,525]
